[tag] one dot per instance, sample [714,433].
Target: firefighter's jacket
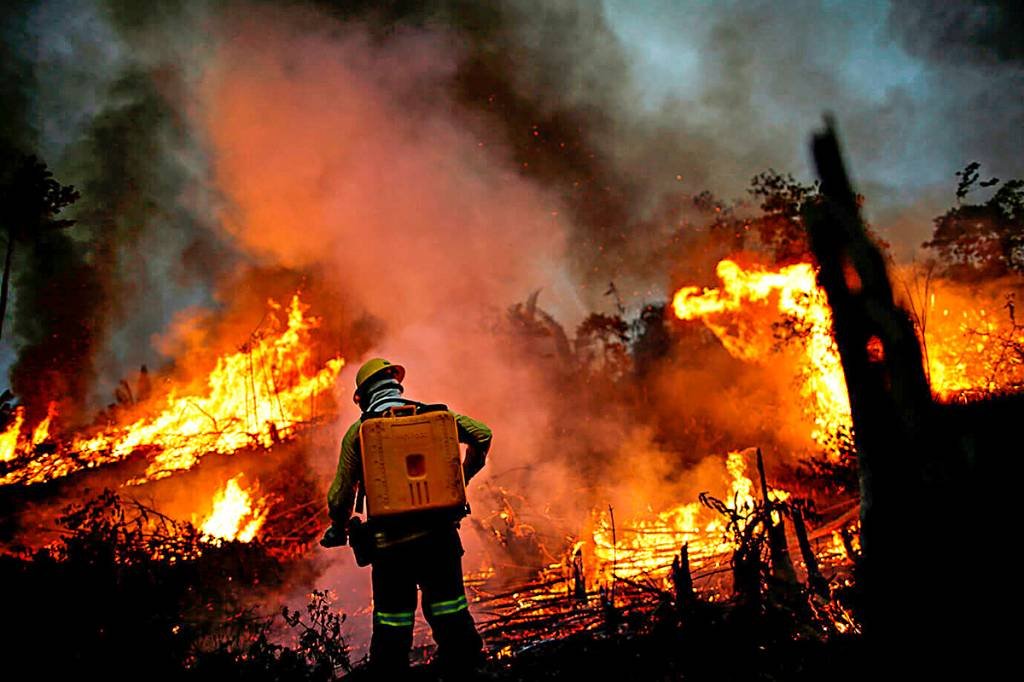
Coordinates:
[342,494]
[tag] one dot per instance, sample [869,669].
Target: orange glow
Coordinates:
[238,514]
[972,342]
[254,397]
[735,313]
[646,546]
[9,438]
[42,430]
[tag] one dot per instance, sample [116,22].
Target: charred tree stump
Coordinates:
[579,579]
[816,582]
[682,579]
[615,551]
[781,562]
[747,524]
[778,545]
[612,617]
[846,534]
[910,469]
[747,568]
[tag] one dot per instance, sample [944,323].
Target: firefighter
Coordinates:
[420,549]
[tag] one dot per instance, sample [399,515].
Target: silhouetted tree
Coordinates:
[984,240]
[777,231]
[602,344]
[781,226]
[651,339]
[30,200]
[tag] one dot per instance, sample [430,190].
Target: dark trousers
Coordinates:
[433,564]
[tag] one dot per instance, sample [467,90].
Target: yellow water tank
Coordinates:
[411,462]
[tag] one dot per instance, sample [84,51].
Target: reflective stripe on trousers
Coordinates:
[431,564]
[397,619]
[444,608]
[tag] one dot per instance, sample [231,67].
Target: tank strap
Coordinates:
[420,409]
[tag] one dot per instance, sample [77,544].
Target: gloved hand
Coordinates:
[334,536]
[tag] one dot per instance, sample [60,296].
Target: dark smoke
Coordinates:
[55,310]
[16,83]
[555,84]
[974,51]
[61,320]
[149,225]
[982,31]
[88,302]
[545,80]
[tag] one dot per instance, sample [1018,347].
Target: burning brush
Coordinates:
[256,397]
[238,513]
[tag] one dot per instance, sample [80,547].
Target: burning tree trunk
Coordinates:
[909,472]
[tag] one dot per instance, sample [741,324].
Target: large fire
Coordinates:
[756,314]
[261,395]
[969,348]
[238,513]
[255,397]
[9,438]
[972,342]
[13,443]
[735,313]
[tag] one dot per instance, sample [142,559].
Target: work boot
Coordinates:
[387,673]
[467,667]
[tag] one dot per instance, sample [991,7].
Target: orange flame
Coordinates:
[255,397]
[729,313]
[237,513]
[9,438]
[42,430]
[972,341]
[968,347]
[645,547]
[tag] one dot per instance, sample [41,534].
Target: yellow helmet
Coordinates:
[372,368]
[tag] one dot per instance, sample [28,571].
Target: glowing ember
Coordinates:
[237,513]
[740,326]
[254,397]
[972,341]
[9,438]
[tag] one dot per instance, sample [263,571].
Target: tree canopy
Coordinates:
[976,241]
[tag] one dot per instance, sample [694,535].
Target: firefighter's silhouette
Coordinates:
[402,457]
